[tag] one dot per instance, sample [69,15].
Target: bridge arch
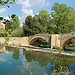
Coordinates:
[34,39]
[67,41]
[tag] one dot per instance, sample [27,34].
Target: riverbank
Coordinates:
[34,48]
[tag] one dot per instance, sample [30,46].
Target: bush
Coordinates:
[56,47]
[42,41]
[9,30]
[3,33]
[18,32]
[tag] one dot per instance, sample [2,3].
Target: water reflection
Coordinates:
[2,49]
[41,62]
[15,51]
[61,63]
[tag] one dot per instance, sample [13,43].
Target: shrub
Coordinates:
[56,47]
[9,30]
[3,33]
[18,32]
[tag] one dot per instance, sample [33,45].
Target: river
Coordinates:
[19,61]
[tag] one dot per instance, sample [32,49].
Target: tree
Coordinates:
[63,18]
[1,18]
[3,2]
[7,25]
[32,26]
[13,23]
[17,32]
[44,19]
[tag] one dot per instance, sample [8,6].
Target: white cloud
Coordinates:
[28,6]
[2,10]
[7,18]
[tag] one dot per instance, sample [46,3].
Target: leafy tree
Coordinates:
[17,32]
[1,18]
[32,26]
[7,25]
[44,19]
[63,18]
[13,23]
[6,2]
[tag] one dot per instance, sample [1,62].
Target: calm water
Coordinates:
[15,61]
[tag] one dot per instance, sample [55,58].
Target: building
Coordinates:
[2,25]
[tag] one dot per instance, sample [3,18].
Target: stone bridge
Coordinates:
[53,39]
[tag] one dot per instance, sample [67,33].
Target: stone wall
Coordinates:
[2,40]
[20,41]
[2,25]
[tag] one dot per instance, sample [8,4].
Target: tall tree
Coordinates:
[32,26]
[13,23]
[63,18]
[44,19]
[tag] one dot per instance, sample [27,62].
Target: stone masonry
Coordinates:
[59,40]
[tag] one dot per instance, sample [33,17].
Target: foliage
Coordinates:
[71,48]
[28,68]
[6,2]
[13,23]
[63,18]
[73,41]
[44,18]
[32,26]
[56,47]
[9,30]
[42,41]
[1,18]
[70,43]
[3,33]
[17,32]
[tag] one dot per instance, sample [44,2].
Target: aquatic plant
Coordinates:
[28,68]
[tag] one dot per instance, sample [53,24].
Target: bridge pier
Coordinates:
[55,40]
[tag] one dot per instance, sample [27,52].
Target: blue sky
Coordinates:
[23,8]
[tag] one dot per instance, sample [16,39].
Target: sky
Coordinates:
[23,8]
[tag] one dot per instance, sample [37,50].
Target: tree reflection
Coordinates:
[61,68]
[61,63]
[16,52]
[42,58]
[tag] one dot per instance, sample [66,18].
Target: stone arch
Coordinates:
[33,39]
[66,41]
